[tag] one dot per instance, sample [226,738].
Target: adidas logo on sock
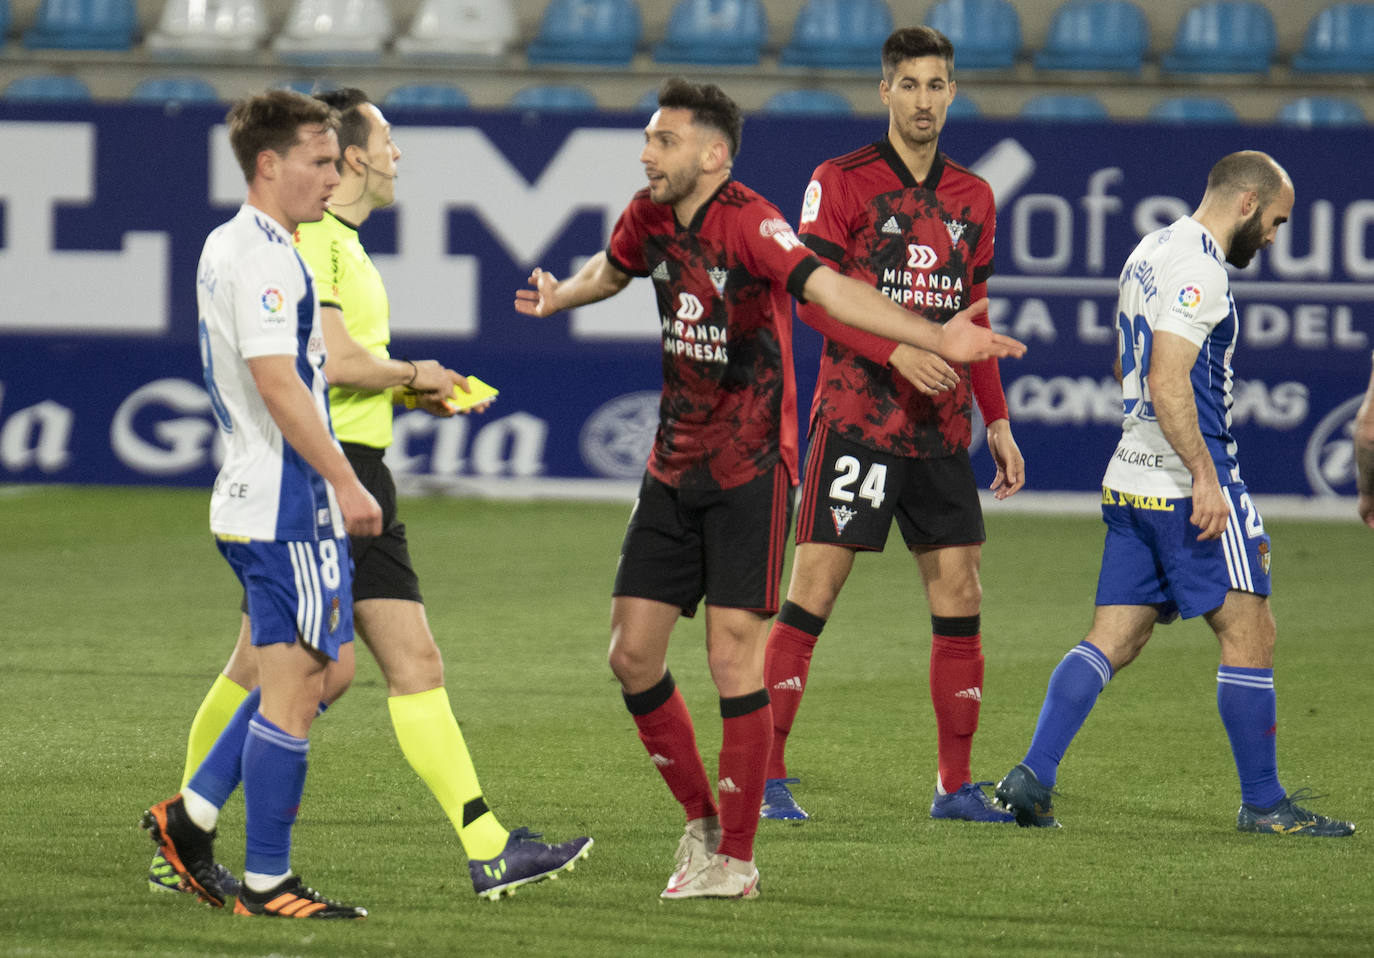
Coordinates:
[662,761]
[727,785]
[891,226]
[976,694]
[794,684]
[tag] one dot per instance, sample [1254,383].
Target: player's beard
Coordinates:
[915,137]
[675,187]
[1247,240]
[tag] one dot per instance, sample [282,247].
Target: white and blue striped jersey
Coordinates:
[1175,281]
[257,298]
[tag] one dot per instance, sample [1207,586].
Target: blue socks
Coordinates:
[273,781]
[1075,684]
[220,772]
[1249,710]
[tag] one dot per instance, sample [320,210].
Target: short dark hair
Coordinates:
[272,121]
[1247,170]
[908,43]
[354,126]
[709,105]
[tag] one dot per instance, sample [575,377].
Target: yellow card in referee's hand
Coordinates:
[479,394]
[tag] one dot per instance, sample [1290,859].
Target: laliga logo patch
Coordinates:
[841,515]
[273,302]
[1189,297]
[811,203]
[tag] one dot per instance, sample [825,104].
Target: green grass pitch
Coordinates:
[116,612]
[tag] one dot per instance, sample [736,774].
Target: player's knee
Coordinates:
[633,667]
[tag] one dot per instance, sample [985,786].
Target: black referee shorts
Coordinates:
[381,564]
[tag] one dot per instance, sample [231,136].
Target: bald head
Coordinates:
[1246,171]
[1249,196]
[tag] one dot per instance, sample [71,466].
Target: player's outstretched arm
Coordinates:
[294,411]
[1364,455]
[595,281]
[1171,391]
[857,304]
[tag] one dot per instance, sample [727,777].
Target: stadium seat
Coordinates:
[1321,111]
[47,87]
[1340,39]
[598,32]
[839,34]
[963,108]
[1194,109]
[83,25]
[986,33]
[428,96]
[191,27]
[1224,36]
[714,32]
[464,28]
[1077,107]
[327,31]
[555,98]
[808,101]
[303,85]
[174,90]
[1094,35]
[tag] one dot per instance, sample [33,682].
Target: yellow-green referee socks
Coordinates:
[215,711]
[433,745]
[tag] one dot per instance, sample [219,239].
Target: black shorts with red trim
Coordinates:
[851,493]
[726,545]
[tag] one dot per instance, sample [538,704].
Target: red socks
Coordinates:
[748,730]
[665,728]
[956,691]
[791,642]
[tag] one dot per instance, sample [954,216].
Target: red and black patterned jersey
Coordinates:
[729,408]
[925,245]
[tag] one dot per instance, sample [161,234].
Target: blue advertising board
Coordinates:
[103,210]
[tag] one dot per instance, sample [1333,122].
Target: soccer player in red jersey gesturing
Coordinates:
[714,507]
[891,424]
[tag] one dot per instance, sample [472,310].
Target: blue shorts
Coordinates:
[1152,556]
[296,590]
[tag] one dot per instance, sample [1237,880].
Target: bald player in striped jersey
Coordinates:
[1183,535]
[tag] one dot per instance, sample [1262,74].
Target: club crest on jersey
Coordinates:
[956,229]
[661,271]
[811,202]
[334,614]
[841,515]
[718,278]
[1264,557]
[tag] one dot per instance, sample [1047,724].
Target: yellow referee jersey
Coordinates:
[346,279]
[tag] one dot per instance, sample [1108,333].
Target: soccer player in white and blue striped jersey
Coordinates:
[282,503]
[1183,535]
